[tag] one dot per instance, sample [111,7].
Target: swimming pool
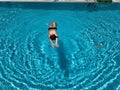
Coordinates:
[88,57]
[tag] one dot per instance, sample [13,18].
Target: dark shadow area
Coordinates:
[63,61]
[61,5]
[91,5]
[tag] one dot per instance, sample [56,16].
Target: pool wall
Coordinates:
[52,0]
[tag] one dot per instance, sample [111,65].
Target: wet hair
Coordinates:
[52,24]
[53,37]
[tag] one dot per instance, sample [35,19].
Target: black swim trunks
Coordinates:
[53,37]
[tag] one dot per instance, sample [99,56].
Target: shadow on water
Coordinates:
[63,61]
[76,6]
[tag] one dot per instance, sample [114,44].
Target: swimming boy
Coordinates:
[53,34]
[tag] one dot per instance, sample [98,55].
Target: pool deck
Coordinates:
[30,0]
[56,0]
[116,0]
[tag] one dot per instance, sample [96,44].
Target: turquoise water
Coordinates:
[88,57]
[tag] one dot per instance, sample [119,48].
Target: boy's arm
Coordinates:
[52,44]
[51,41]
[56,42]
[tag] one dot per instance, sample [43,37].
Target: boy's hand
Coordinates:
[56,45]
[53,45]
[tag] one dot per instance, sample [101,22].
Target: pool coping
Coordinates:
[54,1]
[47,1]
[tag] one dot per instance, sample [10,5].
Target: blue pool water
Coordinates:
[88,57]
